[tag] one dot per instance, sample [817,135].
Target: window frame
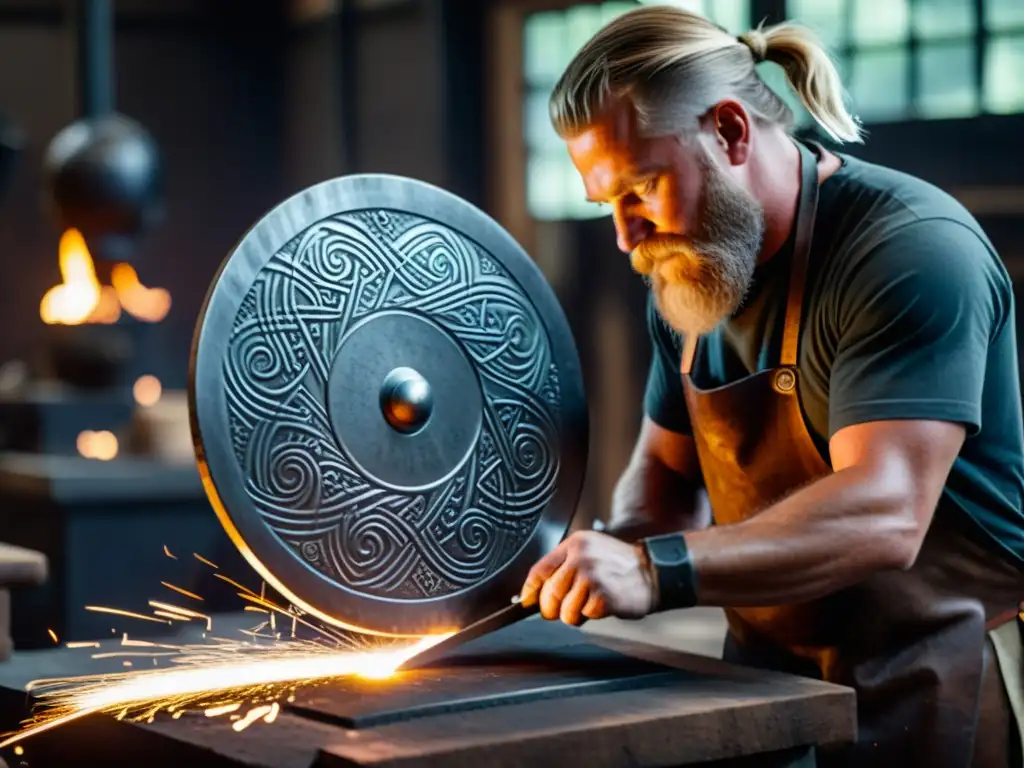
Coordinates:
[912,45]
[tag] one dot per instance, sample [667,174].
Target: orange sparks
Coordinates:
[119,612]
[234,584]
[184,612]
[251,717]
[168,553]
[202,559]
[181,591]
[222,710]
[275,708]
[53,636]
[171,616]
[86,644]
[233,673]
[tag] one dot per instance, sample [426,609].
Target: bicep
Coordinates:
[903,462]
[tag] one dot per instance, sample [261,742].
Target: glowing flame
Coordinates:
[80,298]
[150,305]
[147,390]
[101,445]
[79,293]
[216,677]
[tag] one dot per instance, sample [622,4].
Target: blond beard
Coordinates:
[699,281]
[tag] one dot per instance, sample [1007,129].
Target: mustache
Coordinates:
[673,258]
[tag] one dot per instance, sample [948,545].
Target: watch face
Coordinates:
[668,550]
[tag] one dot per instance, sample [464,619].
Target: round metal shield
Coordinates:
[387,406]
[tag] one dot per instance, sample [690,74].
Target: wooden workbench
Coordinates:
[694,711]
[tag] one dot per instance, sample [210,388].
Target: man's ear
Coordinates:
[729,124]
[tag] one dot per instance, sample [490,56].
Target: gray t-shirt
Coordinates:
[908,314]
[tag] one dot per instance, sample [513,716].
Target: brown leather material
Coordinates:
[912,643]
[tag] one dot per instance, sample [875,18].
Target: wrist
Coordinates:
[647,569]
[671,572]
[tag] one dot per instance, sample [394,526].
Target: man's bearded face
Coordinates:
[701,278]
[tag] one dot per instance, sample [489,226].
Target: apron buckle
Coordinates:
[785,381]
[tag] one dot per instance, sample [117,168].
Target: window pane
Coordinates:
[946,80]
[879,84]
[554,189]
[880,22]
[546,186]
[610,11]
[826,17]
[1004,83]
[581,22]
[944,18]
[544,48]
[734,15]
[1004,14]
[540,135]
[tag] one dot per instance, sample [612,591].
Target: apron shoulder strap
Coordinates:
[806,210]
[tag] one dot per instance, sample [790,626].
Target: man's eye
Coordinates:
[646,188]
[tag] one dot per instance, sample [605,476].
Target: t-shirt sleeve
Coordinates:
[915,318]
[664,400]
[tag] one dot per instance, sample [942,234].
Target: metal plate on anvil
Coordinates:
[387,406]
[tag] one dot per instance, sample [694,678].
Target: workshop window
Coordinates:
[550,39]
[923,59]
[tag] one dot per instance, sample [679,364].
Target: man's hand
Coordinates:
[590,575]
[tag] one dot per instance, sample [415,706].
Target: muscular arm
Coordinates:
[915,322]
[871,514]
[661,488]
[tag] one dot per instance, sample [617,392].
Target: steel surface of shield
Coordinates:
[387,406]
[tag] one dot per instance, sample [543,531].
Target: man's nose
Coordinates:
[630,230]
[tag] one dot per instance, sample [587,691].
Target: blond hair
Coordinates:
[674,65]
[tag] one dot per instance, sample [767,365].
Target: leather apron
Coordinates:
[913,644]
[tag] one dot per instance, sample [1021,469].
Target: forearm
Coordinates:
[650,499]
[827,536]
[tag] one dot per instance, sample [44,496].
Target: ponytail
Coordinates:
[810,73]
[673,65]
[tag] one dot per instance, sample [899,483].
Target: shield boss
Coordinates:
[387,406]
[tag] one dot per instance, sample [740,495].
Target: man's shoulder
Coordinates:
[880,193]
[881,225]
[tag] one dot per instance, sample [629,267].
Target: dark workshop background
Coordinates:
[251,100]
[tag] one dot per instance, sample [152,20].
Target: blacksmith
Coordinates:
[835,371]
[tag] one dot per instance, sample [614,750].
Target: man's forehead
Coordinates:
[612,154]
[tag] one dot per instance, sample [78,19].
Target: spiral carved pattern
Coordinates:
[354,529]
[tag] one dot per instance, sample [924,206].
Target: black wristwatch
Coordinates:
[671,570]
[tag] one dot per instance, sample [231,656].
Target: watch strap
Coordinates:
[672,573]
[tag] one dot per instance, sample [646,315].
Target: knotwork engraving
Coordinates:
[351,527]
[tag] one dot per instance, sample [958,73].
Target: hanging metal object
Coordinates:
[103,171]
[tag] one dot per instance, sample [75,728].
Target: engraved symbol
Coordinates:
[353,528]
[785,380]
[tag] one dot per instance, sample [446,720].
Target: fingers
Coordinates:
[556,588]
[540,573]
[596,606]
[571,611]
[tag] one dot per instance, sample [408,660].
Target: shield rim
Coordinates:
[222,478]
